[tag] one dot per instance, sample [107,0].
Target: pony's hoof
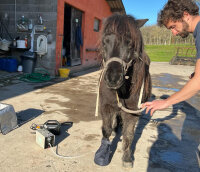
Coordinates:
[102,156]
[127,164]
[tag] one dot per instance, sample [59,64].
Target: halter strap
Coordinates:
[116,59]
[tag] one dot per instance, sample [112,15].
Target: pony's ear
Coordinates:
[141,22]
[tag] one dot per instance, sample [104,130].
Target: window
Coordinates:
[96,25]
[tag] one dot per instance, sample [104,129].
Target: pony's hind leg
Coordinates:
[129,122]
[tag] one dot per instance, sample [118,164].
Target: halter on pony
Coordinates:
[125,67]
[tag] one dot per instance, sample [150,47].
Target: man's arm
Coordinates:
[189,90]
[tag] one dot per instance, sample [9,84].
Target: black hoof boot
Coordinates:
[102,156]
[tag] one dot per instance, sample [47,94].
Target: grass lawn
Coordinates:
[164,53]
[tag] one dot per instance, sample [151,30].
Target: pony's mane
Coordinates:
[125,28]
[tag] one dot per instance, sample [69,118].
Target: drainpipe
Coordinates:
[15,14]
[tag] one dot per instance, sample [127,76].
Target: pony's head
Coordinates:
[121,46]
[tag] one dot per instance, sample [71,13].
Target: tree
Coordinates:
[155,35]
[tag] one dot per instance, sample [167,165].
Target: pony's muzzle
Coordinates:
[113,75]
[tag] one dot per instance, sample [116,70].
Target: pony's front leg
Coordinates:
[129,122]
[102,156]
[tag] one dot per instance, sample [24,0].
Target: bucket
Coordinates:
[4,45]
[64,72]
[28,61]
[21,44]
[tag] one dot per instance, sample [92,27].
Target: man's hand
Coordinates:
[155,105]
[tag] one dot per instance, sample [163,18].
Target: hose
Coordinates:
[38,76]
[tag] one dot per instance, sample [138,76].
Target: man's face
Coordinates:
[178,28]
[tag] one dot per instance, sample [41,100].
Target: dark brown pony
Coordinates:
[126,68]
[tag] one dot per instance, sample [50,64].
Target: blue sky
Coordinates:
[142,9]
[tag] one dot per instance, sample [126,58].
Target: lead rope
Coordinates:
[97,101]
[139,103]
[119,103]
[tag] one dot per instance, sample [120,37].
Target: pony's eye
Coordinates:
[127,42]
[127,58]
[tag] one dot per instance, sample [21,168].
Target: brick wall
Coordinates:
[52,12]
[30,9]
[91,9]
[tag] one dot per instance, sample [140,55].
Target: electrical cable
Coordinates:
[66,157]
[36,126]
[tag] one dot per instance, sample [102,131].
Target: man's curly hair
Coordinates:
[174,10]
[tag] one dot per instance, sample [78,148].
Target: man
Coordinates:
[181,17]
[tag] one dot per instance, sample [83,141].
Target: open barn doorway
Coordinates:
[72,40]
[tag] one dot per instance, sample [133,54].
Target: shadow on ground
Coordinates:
[65,126]
[11,86]
[27,115]
[172,152]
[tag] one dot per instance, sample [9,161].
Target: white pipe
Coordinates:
[15,14]
[32,38]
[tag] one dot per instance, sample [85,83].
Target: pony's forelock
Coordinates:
[125,28]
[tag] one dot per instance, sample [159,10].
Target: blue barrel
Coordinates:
[11,65]
[2,63]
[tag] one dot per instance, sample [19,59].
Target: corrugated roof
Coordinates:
[116,6]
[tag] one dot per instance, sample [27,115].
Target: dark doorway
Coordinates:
[72,40]
[67,36]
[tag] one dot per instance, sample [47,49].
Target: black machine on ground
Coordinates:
[45,134]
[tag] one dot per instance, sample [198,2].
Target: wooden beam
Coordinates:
[117,9]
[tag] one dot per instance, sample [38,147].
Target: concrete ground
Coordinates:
[166,142]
